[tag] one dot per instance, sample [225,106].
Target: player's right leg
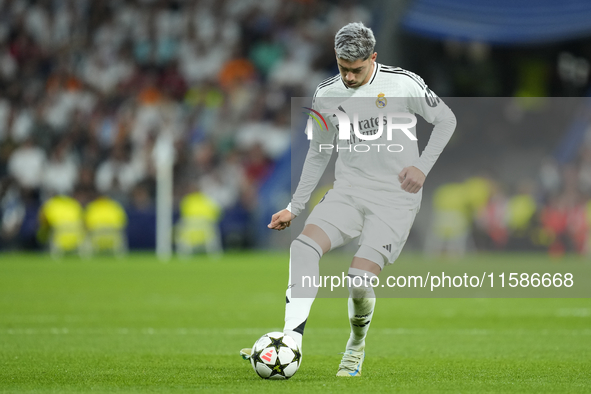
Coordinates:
[304,258]
[332,223]
[304,278]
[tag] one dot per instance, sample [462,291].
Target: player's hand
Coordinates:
[411,179]
[281,220]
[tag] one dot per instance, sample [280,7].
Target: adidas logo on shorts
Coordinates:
[388,247]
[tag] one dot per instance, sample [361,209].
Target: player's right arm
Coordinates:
[313,169]
[314,166]
[281,220]
[317,158]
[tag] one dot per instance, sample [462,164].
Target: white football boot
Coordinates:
[351,363]
[246,353]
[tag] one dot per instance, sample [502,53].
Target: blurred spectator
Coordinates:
[550,178]
[8,64]
[5,118]
[450,228]
[141,199]
[118,174]
[173,82]
[272,138]
[26,164]
[198,225]
[22,123]
[555,220]
[61,225]
[105,221]
[235,72]
[522,211]
[224,184]
[257,165]
[104,73]
[60,173]
[492,219]
[12,213]
[585,171]
[265,54]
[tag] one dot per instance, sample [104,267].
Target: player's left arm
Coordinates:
[427,104]
[411,179]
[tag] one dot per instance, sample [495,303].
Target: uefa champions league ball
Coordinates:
[275,356]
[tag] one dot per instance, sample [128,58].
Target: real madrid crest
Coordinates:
[381,101]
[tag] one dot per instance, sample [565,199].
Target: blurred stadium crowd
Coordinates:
[530,190]
[87,87]
[480,213]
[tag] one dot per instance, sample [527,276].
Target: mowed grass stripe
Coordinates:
[251,331]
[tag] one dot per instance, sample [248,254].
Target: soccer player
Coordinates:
[376,194]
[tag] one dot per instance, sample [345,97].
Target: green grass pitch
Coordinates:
[139,325]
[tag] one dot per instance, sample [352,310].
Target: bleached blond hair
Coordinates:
[354,41]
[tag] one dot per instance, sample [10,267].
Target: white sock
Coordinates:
[305,255]
[362,301]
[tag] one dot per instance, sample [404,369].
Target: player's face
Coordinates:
[356,73]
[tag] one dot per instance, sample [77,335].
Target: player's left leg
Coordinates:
[362,299]
[383,236]
[365,267]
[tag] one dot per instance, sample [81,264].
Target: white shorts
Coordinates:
[382,228]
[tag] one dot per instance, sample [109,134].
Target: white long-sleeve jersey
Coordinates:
[369,169]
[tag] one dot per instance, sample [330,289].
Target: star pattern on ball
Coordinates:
[297,355]
[256,357]
[278,368]
[277,343]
